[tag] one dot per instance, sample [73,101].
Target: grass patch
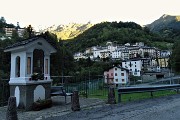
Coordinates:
[103,94]
[146,95]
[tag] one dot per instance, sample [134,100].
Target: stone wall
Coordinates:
[148,77]
[27,94]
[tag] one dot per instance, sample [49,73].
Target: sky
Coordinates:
[44,13]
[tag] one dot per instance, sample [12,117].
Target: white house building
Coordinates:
[79,55]
[125,54]
[165,53]
[9,31]
[117,75]
[116,54]
[133,65]
[152,51]
[101,52]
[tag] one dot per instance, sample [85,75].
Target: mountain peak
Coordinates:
[70,30]
[178,18]
[165,22]
[165,15]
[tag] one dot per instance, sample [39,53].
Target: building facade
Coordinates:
[117,75]
[134,66]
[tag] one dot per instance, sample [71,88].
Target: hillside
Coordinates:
[165,22]
[118,32]
[68,31]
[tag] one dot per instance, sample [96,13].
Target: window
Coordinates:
[116,80]
[29,65]
[115,74]
[115,68]
[122,80]
[122,74]
[46,66]
[38,61]
[107,75]
[17,66]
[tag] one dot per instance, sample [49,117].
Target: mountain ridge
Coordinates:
[166,25]
[68,31]
[165,22]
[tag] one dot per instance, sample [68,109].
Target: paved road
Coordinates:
[164,108]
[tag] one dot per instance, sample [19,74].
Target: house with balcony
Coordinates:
[118,76]
[163,62]
[151,51]
[134,66]
[116,54]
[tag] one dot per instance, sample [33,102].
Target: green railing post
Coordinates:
[119,98]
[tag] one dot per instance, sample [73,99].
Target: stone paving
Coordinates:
[163,108]
[59,108]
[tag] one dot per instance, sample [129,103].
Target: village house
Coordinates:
[126,52]
[134,52]
[146,62]
[117,54]
[134,66]
[79,55]
[163,62]
[154,69]
[118,76]
[165,53]
[9,31]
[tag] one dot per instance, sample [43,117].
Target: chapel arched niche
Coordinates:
[38,61]
[17,71]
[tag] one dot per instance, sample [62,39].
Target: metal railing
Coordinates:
[86,85]
[151,89]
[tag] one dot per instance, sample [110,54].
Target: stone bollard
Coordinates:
[11,109]
[111,96]
[75,101]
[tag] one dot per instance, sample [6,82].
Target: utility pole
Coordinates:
[62,65]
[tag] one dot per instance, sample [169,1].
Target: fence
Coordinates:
[170,80]
[4,92]
[87,85]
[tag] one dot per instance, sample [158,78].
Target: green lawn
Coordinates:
[103,94]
